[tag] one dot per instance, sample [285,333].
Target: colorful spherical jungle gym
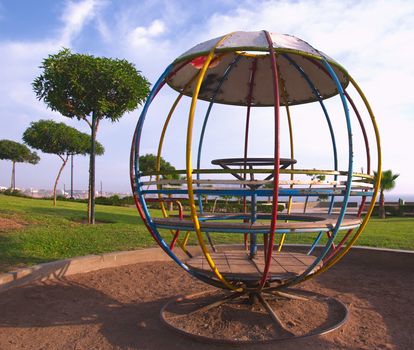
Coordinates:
[277,75]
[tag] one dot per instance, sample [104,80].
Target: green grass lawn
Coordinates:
[49,233]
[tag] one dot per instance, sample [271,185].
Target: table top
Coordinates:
[251,162]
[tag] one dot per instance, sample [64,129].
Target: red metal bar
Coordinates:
[265,244]
[177,232]
[277,160]
[180,214]
[367,149]
[364,132]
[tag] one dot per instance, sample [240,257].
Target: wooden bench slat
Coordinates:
[240,267]
[318,221]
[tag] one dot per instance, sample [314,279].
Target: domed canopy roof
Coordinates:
[302,76]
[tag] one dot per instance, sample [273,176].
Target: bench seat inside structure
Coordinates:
[285,223]
[237,265]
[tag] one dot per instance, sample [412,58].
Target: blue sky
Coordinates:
[371,39]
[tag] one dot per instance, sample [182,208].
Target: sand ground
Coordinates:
[118,308]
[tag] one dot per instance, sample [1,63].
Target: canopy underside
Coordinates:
[302,76]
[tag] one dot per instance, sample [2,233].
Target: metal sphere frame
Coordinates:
[279,70]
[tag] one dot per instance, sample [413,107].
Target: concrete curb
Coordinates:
[61,268]
[67,267]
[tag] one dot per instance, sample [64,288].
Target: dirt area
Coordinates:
[119,308]
[10,224]
[245,319]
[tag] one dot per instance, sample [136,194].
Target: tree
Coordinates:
[60,139]
[17,153]
[90,89]
[387,183]
[321,197]
[148,164]
[226,200]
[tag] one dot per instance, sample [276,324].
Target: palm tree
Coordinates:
[387,183]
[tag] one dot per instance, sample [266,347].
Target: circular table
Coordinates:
[250,163]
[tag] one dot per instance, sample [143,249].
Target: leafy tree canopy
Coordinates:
[79,85]
[387,179]
[90,88]
[17,152]
[58,138]
[387,183]
[148,164]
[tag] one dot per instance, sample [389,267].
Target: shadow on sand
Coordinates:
[70,314]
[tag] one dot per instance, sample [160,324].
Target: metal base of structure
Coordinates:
[180,310]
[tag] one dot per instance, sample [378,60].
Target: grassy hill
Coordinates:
[32,231]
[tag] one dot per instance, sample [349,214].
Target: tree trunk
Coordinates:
[170,204]
[71,176]
[64,161]
[91,199]
[13,177]
[150,179]
[381,208]
[214,205]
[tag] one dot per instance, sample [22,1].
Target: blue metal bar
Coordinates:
[328,120]
[226,217]
[253,238]
[138,183]
[349,177]
[190,227]
[139,186]
[262,192]
[259,216]
[315,243]
[206,118]
[325,111]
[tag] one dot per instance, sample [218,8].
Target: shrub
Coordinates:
[12,192]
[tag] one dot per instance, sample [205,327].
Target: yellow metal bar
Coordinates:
[158,162]
[160,144]
[186,237]
[189,168]
[292,156]
[262,54]
[258,49]
[361,228]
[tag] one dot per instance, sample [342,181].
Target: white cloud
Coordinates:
[104,30]
[75,16]
[371,39]
[18,104]
[141,36]
[23,59]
